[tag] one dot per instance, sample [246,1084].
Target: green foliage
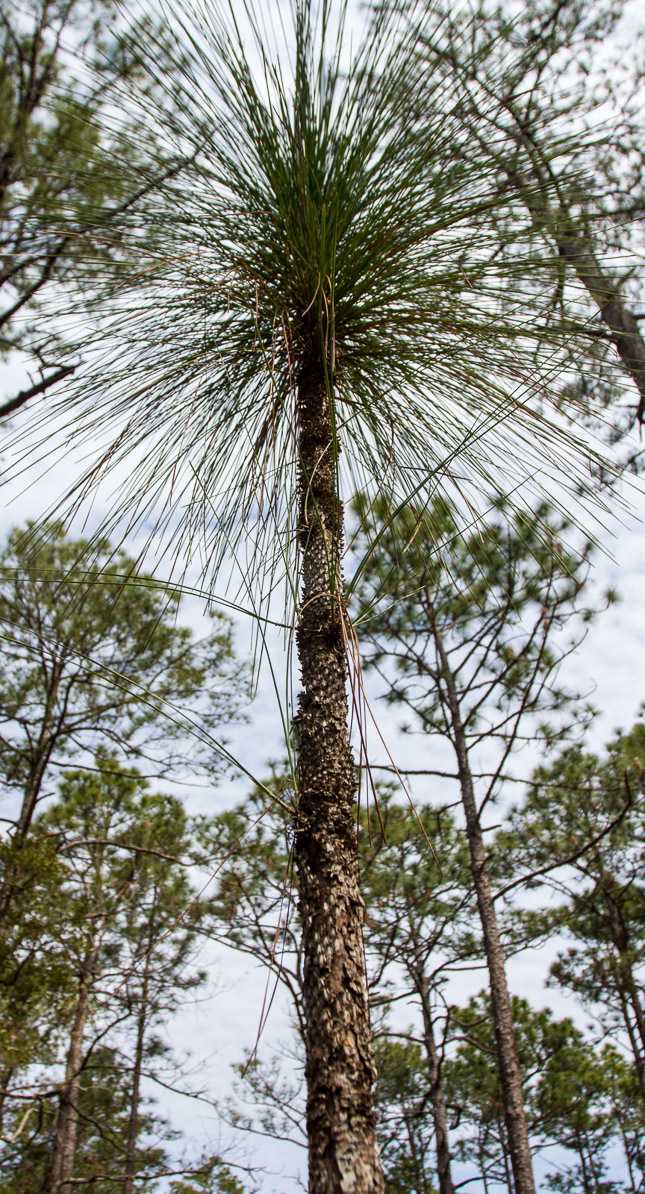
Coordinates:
[102,1135]
[523,75]
[404,1123]
[417,887]
[115,911]
[310,221]
[92,653]
[311,218]
[572,1094]
[497,601]
[216,1179]
[580,1097]
[580,830]
[62,65]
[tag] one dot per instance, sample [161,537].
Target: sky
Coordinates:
[215,1032]
[219,1028]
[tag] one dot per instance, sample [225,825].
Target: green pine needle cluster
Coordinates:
[306,202]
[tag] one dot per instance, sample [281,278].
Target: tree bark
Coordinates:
[343,1153]
[133,1118]
[509,1070]
[574,248]
[437,1100]
[601,287]
[59,1179]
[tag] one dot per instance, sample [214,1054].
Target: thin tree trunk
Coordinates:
[620,935]
[437,1100]
[628,1159]
[574,248]
[585,1175]
[638,1058]
[5,1079]
[509,1070]
[507,1173]
[482,1162]
[628,991]
[135,1097]
[602,288]
[61,1173]
[343,1153]
[418,1168]
[133,1118]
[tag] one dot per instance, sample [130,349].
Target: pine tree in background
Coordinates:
[572,1096]
[465,641]
[93,656]
[522,76]
[580,833]
[104,957]
[420,923]
[61,64]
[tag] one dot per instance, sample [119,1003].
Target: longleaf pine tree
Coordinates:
[322,275]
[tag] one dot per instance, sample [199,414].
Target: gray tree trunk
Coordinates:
[135,1095]
[509,1070]
[437,1100]
[61,1173]
[343,1153]
[599,284]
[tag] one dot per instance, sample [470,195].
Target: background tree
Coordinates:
[93,655]
[571,1096]
[128,922]
[253,908]
[419,923]
[471,654]
[581,829]
[403,1098]
[418,931]
[26,1148]
[521,76]
[62,64]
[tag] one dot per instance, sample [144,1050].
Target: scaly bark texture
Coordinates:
[343,1153]
[508,1065]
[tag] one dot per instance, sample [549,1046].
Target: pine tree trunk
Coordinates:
[626,985]
[509,1070]
[133,1118]
[437,1100]
[61,1173]
[343,1154]
[600,286]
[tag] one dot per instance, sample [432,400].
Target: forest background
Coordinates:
[226,1024]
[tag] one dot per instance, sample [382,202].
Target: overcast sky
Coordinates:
[216,1032]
